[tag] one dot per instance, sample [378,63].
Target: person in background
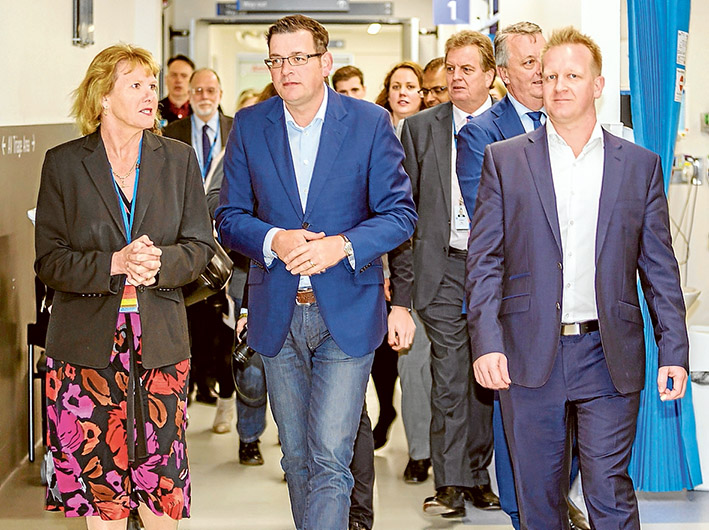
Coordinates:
[247,97]
[568,218]
[499,89]
[434,90]
[314,194]
[176,105]
[461,424]
[400,95]
[117,254]
[349,81]
[518,50]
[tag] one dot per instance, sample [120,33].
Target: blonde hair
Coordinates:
[570,35]
[99,81]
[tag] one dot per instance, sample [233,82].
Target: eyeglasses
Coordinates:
[210,90]
[438,90]
[298,59]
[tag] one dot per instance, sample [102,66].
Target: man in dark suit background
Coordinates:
[461,429]
[176,105]
[314,193]
[518,51]
[554,319]
[206,130]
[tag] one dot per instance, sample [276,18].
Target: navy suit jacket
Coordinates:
[499,122]
[358,188]
[514,280]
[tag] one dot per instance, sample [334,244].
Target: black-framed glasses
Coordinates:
[438,90]
[299,59]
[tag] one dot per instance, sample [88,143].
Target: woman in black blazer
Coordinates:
[122,225]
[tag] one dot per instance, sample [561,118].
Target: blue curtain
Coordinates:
[665,455]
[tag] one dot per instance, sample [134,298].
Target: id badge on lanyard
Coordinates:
[129,301]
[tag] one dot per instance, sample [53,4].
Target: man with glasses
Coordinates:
[434,90]
[206,130]
[314,193]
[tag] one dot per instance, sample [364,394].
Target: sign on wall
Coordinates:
[451,12]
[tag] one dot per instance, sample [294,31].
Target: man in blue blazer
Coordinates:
[314,193]
[554,319]
[518,50]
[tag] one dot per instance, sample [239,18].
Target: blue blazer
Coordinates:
[514,279]
[358,188]
[499,122]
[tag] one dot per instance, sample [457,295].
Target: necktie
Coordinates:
[206,146]
[536,118]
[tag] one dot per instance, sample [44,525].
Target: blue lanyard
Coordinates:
[128,224]
[206,162]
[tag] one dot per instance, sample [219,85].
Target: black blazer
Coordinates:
[182,129]
[79,227]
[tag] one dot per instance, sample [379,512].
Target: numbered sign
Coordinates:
[451,12]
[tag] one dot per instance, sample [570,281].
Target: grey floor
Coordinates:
[227,495]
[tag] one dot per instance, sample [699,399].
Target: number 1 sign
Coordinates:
[451,12]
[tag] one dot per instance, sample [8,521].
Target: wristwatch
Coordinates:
[349,251]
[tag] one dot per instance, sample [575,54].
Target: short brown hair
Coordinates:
[502,53]
[99,81]
[294,23]
[383,97]
[473,38]
[347,72]
[570,35]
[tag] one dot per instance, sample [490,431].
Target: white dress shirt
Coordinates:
[214,134]
[577,186]
[459,235]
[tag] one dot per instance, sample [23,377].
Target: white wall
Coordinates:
[40,65]
[696,143]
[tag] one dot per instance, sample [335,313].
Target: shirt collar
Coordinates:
[460,117]
[555,138]
[319,115]
[519,108]
[213,122]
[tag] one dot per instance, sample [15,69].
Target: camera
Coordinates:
[241,354]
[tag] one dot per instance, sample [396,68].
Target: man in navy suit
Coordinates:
[518,50]
[314,193]
[554,319]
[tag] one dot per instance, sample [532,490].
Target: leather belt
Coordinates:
[456,252]
[579,328]
[305,297]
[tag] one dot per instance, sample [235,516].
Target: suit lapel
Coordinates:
[277,142]
[441,134]
[332,136]
[151,168]
[96,164]
[507,120]
[613,162]
[537,152]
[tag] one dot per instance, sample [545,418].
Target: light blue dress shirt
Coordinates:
[522,111]
[213,133]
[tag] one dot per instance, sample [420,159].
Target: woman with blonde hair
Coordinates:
[122,225]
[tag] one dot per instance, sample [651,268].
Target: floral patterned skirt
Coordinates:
[87,415]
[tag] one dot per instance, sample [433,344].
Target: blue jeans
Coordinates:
[317,393]
[251,401]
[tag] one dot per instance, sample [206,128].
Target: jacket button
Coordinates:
[141,288]
[558,306]
[560,266]
[305,225]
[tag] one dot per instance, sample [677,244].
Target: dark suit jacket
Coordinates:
[514,281]
[427,141]
[499,122]
[79,227]
[358,188]
[182,129]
